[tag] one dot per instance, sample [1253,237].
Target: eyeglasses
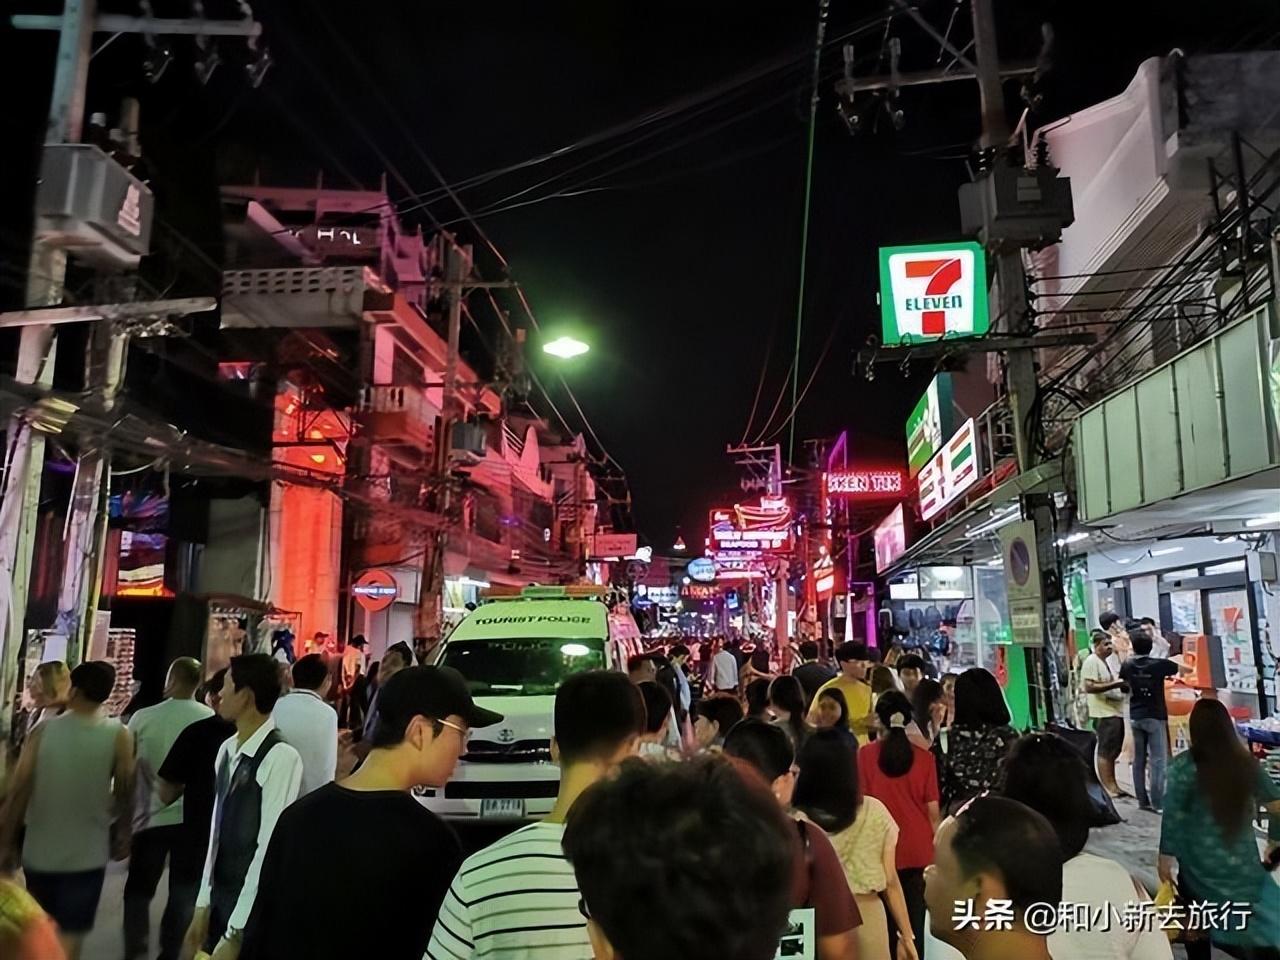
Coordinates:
[463,732]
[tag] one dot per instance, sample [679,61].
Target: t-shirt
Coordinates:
[724,671]
[155,729]
[1103,671]
[818,881]
[310,726]
[1146,686]
[351,873]
[515,899]
[907,798]
[190,764]
[857,695]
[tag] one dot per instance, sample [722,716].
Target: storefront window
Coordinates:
[1229,619]
[1184,610]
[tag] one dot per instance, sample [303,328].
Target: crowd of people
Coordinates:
[864,809]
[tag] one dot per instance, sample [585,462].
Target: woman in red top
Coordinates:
[904,778]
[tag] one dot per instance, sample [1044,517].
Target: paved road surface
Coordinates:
[106,942]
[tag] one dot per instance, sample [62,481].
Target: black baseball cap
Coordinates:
[433,692]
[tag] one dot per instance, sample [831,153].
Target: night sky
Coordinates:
[684,271]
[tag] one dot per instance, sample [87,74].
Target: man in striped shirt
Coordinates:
[517,899]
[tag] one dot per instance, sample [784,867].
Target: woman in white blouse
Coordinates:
[864,836]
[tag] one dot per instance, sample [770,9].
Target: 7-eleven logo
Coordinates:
[933,291]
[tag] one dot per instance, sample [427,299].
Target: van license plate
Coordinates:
[503,809]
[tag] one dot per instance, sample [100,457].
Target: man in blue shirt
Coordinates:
[1148,717]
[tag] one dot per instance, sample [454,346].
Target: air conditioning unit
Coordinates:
[467,443]
[92,206]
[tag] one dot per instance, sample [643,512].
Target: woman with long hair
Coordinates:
[786,703]
[1045,773]
[904,778]
[50,689]
[756,695]
[831,712]
[930,710]
[863,833]
[978,739]
[1213,791]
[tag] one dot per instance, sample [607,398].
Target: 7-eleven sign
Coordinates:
[933,291]
[950,472]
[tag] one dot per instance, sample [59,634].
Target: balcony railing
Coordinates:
[398,416]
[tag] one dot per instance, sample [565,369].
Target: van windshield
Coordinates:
[521,667]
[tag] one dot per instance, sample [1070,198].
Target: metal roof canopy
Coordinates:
[949,538]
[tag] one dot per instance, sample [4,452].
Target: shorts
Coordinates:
[70,898]
[1110,732]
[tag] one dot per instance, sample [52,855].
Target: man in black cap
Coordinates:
[368,834]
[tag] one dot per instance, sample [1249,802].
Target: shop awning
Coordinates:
[944,542]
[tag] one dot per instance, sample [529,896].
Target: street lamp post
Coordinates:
[566,348]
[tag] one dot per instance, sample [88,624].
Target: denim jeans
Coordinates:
[1150,741]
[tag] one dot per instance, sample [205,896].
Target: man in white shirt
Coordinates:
[158,826]
[724,672]
[1106,692]
[309,724]
[518,897]
[258,775]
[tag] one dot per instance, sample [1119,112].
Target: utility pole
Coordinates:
[1015,311]
[429,618]
[1014,331]
[46,278]
[36,356]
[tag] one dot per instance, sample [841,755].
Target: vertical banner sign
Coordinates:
[932,420]
[933,291]
[953,470]
[1022,582]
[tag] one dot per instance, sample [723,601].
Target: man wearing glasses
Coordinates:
[366,837]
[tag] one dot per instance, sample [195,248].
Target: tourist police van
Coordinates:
[514,650]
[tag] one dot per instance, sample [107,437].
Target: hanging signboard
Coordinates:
[824,577]
[699,591]
[701,569]
[739,567]
[933,291]
[951,471]
[753,527]
[865,484]
[931,421]
[890,539]
[375,590]
[606,545]
[1022,583]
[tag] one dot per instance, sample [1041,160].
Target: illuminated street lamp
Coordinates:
[566,348]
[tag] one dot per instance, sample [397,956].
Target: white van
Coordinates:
[514,650]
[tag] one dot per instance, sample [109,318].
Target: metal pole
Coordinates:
[36,356]
[429,618]
[1043,663]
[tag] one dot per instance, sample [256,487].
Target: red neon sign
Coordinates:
[866,484]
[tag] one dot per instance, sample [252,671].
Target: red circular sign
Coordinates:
[375,590]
